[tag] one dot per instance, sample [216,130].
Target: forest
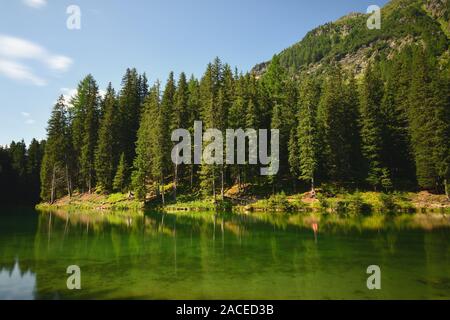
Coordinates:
[385,129]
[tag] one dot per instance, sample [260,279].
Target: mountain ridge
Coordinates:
[350,43]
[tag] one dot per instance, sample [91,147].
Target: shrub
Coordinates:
[387,202]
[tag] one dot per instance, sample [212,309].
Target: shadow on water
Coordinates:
[223,256]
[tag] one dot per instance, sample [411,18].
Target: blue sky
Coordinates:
[40,58]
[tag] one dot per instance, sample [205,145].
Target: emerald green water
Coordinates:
[203,256]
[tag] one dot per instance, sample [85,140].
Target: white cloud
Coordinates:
[102,93]
[68,94]
[13,49]
[58,63]
[35,3]
[18,48]
[17,71]
[27,116]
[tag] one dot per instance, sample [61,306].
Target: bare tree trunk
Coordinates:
[175,183]
[222,190]
[157,190]
[446,189]
[239,180]
[162,191]
[214,183]
[192,176]
[89,181]
[52,191]
[175,179]
[69,188]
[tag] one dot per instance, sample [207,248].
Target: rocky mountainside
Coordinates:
[350,43]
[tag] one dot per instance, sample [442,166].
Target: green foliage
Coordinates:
[120,179]
[105,155]
[387,128]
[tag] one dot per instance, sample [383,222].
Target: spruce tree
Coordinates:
[308,141]
[106,153]
[372,124]
[146,154]
[54,164]
[120,182]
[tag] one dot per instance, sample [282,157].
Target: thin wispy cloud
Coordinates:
[20,72]
[27,117]
[35,3]
[17,48]
[13,50]
[70,93]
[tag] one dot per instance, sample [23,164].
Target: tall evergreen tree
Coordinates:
[147,153]
[372,124]
[130,98]
[54,169]
[308,141]
[107,148]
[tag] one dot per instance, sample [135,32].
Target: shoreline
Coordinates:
[358,203]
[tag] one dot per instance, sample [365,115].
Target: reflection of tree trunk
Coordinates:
[223,233]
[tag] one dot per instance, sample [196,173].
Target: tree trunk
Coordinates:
[52,191]
[175,182]
[192,176]
[90,180]
[313,188]
[69,189]
[175,179]
[239,180]
[446,189]
[214,183]
[222,190]
[162,191]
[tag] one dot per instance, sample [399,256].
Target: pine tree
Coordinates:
[372,124]
[194,115]
[35,154]
[106,152]
[429,123]
[208,95]
[90,136]
[308,148]
[54,164]
[130,98]
[180,120]
[84,130]
[145,158]
[120,182]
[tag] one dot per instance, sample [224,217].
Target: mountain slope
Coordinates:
[349,41]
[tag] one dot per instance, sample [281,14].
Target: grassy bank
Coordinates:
[94,202]
[357,202]
[353,203]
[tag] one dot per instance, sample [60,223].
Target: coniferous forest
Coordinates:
[384,128]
